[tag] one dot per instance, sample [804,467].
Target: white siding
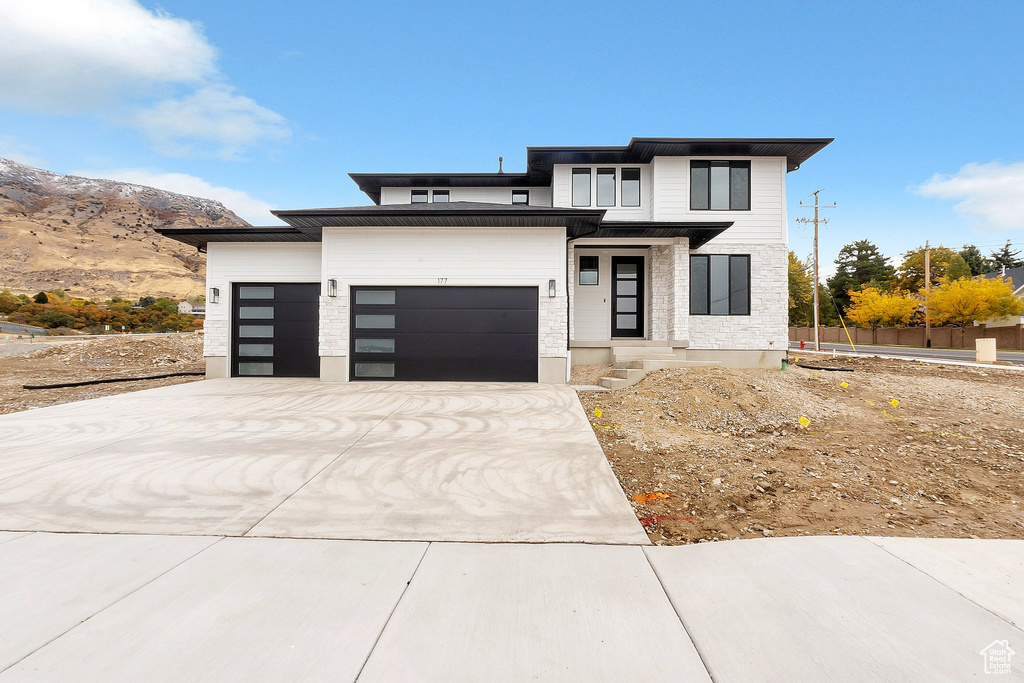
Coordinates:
[539,196]
[764,222]
[229,262]
[458,256]
[561,190]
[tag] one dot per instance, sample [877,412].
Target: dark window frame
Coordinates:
[707,289]
[613,172]
[520,192]
[582,170]
[639,186]
[419,193]
[596,269]
[706,163]
[447,194]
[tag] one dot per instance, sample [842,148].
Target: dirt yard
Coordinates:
[77,360]
[711,453]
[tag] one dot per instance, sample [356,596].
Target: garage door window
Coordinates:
[375,297]
[256,369]
[256,312]
[375,322]
[258,331]
[375,370]
[255,349]
[256,292]
[375,345]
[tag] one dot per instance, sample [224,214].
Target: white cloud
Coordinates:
[213,116]
[254,210]
[16,151]
[992,193]
[108,56]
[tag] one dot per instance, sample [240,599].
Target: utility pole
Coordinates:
[823,222]
[927,295]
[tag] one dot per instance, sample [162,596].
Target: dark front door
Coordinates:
[444,333]
[274,330]
[627,296]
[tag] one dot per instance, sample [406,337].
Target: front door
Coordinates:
[627,296]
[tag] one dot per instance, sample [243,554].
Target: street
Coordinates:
[1015,357]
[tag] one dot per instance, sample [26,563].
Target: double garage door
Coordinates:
[396,333]
[444,333]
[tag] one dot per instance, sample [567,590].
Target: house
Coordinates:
[189,308]
[1016,276]
[665,249]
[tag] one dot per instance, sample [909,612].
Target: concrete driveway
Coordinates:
[305,459]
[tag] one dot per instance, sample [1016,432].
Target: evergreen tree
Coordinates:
[859,264]
[976,261]
[1006,257]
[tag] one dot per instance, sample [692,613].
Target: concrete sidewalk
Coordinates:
[171,608]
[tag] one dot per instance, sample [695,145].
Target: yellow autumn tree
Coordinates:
[962,302]
[871,307]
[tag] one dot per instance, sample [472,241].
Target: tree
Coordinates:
[1006,258]
[859,264]
[962,302]
[53,319]
[147,301]
[41,298]
[871,307]
[9,303]
[801,292]
[976,261]
[945,264]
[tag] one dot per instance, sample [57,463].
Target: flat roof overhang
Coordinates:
[201,237]
[371,183]
[699,234]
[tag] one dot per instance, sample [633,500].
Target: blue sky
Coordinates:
[264,104]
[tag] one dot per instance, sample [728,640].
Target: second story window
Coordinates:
[440,196]
[581,187]
[720,185]
[520,196]
[606,187]
[631,187]
[419,196]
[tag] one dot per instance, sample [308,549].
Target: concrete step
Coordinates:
[631,374]
[642,351]
[613,383]
[650,365]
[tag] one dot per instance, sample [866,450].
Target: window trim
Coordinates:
[581,170]
[707,257]
[613,172]
[419,193]
[706,163]
[515,192]
[639,186]
[579,271]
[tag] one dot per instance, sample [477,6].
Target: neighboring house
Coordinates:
[668,248]
[189,308]
[1016,276]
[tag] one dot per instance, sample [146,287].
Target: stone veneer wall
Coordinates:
[216,336]
[552,332]
[766,328]
[334,325]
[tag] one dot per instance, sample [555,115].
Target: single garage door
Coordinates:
[274,330]
[444,333]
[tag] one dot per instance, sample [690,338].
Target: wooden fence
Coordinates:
[1010,338]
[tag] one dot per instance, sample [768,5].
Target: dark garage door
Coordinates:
[444,333]
[274,330]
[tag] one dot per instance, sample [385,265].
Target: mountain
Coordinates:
[95,238]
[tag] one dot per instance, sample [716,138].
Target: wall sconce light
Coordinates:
[332,287]
[214,295]
[551,288]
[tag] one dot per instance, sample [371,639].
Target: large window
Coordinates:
[606,187]
[419,196]
[720,185]
[581,187]
[631,187]
[720,285]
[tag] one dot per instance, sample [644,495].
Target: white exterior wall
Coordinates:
[539,196]
[230,262]
[764,222]
[454,257]
[561,191]
[592,308]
